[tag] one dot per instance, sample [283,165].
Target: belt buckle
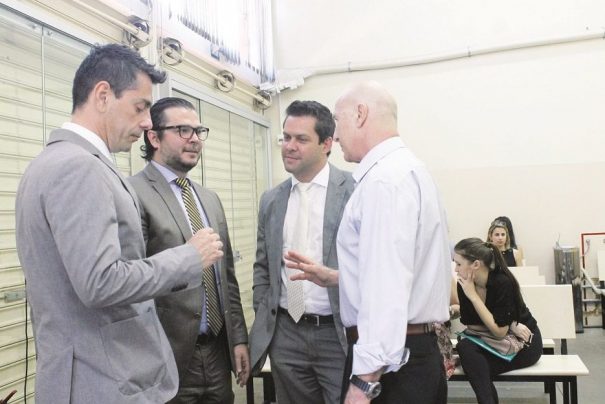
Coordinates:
[316,318]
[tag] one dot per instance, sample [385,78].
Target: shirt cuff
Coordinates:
[369,358]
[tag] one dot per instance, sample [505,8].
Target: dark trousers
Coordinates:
[481,366]
[208,378]
[420,380]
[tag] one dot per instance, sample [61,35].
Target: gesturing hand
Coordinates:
[319,274]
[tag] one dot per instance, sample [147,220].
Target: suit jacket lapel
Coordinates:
[59,135]
[275,230]
[207,204]
[335,199]
[162,187]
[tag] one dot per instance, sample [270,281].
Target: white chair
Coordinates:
[528,275]
[552,307]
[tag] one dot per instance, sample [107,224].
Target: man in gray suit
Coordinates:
[79,239]
[173,146]
[302,332]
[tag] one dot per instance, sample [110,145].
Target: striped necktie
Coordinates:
[215,319]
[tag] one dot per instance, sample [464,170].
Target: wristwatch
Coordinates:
[370,389]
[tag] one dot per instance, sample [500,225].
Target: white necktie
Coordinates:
[296,298]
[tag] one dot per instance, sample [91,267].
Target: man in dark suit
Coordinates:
[207,345]
[304,339]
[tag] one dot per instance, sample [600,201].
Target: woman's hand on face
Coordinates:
[468,285]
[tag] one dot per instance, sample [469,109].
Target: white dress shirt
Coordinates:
[393,254]
[316,297]
[91,137]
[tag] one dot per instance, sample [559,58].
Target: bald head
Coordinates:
[370,114]
[379,101]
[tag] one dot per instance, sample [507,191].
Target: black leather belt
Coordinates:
[412,329]
[313,319]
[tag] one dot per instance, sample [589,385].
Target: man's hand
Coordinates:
[319,274]
[356,396]
[208,244]
[242,363]
[454,311]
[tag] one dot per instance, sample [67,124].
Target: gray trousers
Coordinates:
[307,362]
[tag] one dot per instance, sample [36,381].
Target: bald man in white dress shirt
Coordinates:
[394,259]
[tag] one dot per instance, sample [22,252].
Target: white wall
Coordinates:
[516,133]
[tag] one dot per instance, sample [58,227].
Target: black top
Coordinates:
[499,300]
[509,257]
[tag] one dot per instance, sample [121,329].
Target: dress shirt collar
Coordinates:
[90,136]
[166,172]
[377,153]
[322,178]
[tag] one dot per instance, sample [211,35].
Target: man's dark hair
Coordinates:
[158,119]
[324,125]
[114,63]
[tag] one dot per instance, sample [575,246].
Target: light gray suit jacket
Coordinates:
[79,239]
[165,226]
[268,264]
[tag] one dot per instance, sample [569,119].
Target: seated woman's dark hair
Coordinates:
[474,248]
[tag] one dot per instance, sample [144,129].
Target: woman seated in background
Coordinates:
[490,301]
[511,232]
[498,235]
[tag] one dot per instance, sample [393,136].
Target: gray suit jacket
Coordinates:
[165,226]
[79,239]
[268,264]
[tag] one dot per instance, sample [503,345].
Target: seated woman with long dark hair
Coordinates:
[490,300]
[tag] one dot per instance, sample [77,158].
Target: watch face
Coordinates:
[375,389]
[371,389]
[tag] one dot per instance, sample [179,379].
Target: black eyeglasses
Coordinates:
[186,131]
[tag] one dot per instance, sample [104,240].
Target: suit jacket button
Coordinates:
[273,311]
[197,315]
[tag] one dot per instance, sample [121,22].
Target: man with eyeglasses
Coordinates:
[89,283]
[171,209]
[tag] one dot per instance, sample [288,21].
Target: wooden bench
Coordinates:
[550,369]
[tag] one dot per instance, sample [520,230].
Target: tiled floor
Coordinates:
[590,345]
